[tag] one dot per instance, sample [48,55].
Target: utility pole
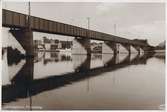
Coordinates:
[88,83]
[115,29]
[88,18]
[29,15]
[88,35]
[115,32]
[5,6]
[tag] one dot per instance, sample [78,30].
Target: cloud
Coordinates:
[154,32]
[134,20]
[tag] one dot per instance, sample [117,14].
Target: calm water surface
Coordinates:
[65,81]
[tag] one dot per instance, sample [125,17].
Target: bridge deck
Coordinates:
[18,20]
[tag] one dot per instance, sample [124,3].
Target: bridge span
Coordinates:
[22,27]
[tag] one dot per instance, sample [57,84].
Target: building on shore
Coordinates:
[59,45]
[51,44]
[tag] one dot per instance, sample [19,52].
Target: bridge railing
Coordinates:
[14,19]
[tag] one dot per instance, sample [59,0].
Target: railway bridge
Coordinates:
[22,27]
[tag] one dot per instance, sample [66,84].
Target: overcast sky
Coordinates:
[133,20]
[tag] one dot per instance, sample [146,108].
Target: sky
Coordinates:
[128,20]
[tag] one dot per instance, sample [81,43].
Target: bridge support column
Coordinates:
[25,38]
[111,61]
[137,48]
[81,46]
[85,66]
[145,49]
[109,47]
[127,47]
[127,59]
[25,75]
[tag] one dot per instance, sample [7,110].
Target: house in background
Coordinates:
[52,44]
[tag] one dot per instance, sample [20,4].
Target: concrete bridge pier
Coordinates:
[127,59]
[81,46]
[25,75]
[112,61]
[137,48]
[25,38]
[109,47]
[127,47]
[145,49]
[85,66]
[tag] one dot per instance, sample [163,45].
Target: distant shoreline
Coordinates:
[160,53]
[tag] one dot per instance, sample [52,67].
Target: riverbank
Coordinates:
[159,53]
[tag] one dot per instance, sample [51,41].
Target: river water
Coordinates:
[100,81]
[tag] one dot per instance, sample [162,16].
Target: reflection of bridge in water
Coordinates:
[23,82]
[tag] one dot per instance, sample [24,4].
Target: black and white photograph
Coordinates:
[82,55]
